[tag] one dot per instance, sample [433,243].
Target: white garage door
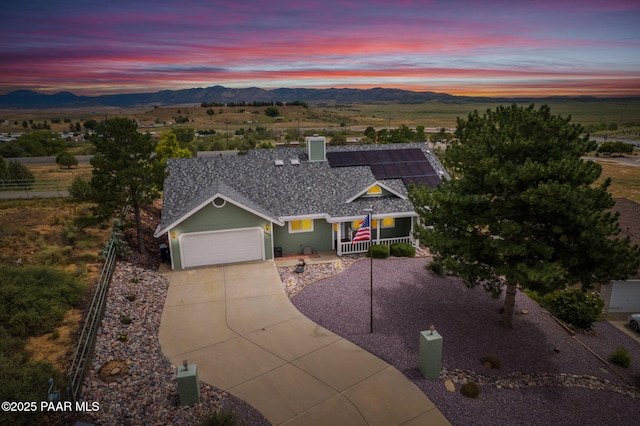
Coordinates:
[216,247]
[625,296]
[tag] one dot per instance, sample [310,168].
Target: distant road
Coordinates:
[625,161]
[82,159]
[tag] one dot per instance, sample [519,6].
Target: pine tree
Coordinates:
[522,207]
[126,170]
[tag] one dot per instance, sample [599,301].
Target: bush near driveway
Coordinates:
[575,306]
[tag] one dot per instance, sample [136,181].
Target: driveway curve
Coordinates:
[237,325]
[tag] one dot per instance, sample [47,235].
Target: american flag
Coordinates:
[364,232]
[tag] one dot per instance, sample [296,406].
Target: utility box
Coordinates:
[188,385]
[430,355]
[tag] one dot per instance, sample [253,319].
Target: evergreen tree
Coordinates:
[126,170]
[522,207]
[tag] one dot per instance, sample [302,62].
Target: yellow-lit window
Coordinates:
[374,190]
[304,225]
[388,222]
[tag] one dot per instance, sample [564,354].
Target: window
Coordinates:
[375,190]
[388,222]
[305,225]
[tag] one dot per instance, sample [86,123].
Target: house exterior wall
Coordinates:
[318,240]
[402,227]
[211,218]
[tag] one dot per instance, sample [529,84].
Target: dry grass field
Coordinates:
[327,115]
[625,180]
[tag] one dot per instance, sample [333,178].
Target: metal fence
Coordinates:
[86,343]
[84,350]
[28,188]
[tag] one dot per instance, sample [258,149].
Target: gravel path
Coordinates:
[546,376]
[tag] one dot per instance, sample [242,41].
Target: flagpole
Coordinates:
[370,212]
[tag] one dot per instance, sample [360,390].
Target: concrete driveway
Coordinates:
[237,324]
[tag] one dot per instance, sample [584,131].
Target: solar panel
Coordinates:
[410,165]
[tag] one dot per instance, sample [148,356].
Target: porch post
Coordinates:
[339,239]
[415,242]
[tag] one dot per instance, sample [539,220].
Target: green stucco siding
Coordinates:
[318,240]
[211,218]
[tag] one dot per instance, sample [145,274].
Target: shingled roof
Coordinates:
[280,192]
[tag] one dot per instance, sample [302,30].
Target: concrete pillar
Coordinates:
[188,385]
[430,355]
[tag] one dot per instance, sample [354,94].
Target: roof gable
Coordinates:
[364,192]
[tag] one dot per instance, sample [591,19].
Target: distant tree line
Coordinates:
[253,104]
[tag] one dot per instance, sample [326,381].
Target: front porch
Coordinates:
[309,259]
[348,247]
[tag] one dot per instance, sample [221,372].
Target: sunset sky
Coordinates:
[479,48]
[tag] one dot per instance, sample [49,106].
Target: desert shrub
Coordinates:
[53,255]
[35,298]
[69,236]
[219,418]
[491,361]
[402,250]
[574,306]
[378,251]
[25,380]
[470,389]
[80,189]
[621,357]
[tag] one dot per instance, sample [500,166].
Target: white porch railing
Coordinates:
[363,246]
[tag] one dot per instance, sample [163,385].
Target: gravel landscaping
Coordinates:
[134,383]
[546,375]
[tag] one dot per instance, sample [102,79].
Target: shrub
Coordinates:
[69,236]
[574,306]
[378,251]
[80,190]
[35,298]
[219,418]
[116,239]
[436,267]
[621,357]
[125,320]
[470,389]
[53,255]
[402,250]
[491,361]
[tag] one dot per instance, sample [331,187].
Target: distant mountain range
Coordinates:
[31,99]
